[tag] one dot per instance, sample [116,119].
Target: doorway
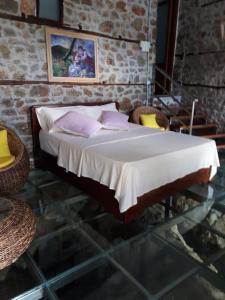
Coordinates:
[166,39]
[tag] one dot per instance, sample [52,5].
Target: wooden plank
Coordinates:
[200,126]
[214,136]
[181,55]
[103,83]
[177,108]
[200,85]
[188,117]
[212,3]
[221,146]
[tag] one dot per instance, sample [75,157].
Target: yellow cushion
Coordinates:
[5,156]
[149,120]
[6,161]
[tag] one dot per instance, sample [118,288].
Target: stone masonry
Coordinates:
[199,39]
[23,58]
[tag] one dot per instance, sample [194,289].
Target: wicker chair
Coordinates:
[161,119]
[17,229]
[13,177]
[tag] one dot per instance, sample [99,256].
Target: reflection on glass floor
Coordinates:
[82,252]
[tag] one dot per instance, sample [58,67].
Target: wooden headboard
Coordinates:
[35,126]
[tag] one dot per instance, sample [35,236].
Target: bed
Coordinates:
[126,171]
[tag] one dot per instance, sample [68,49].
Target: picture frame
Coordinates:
[71,56]
[223,30]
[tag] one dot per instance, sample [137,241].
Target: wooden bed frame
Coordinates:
[100,192]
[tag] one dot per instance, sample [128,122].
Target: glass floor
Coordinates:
[82,252]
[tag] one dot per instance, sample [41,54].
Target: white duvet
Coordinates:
[132,162]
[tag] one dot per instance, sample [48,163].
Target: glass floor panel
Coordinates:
[153,262]
[52,192]
[219,264]
[82,252]
[51,218]
[37,293]
[108,232]
[39,177]
[32,195]
[204,192]
[82,208]
[195,240]
[101,281]
[58,252]
[16,279]
[203,285]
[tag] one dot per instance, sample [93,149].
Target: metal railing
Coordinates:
[173,97]
[192,115]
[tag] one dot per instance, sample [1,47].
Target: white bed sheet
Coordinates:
[132,162]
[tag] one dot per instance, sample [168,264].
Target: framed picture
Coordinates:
[72,57]
[223,30]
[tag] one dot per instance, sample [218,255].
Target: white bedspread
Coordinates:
[132,162]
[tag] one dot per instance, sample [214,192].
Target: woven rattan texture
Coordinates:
[13,177]
[17,229]
[161,119]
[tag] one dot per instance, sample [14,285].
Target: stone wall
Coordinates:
[11,7]
[203,63]
[23,57]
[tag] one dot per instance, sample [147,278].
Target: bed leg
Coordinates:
[168,203]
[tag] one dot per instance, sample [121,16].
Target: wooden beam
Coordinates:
[35,82]
[181,55]
[200,85]
[212,2]
[51,23]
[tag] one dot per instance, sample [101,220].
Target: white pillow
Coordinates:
[48,115]
[96,111]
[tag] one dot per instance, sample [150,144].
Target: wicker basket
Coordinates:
[161,119]
[13,177]
[17,229]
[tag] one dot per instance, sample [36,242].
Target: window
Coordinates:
[49,9]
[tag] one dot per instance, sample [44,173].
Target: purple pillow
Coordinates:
[78,124]
[114,120]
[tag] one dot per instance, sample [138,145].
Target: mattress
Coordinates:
[132,162]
